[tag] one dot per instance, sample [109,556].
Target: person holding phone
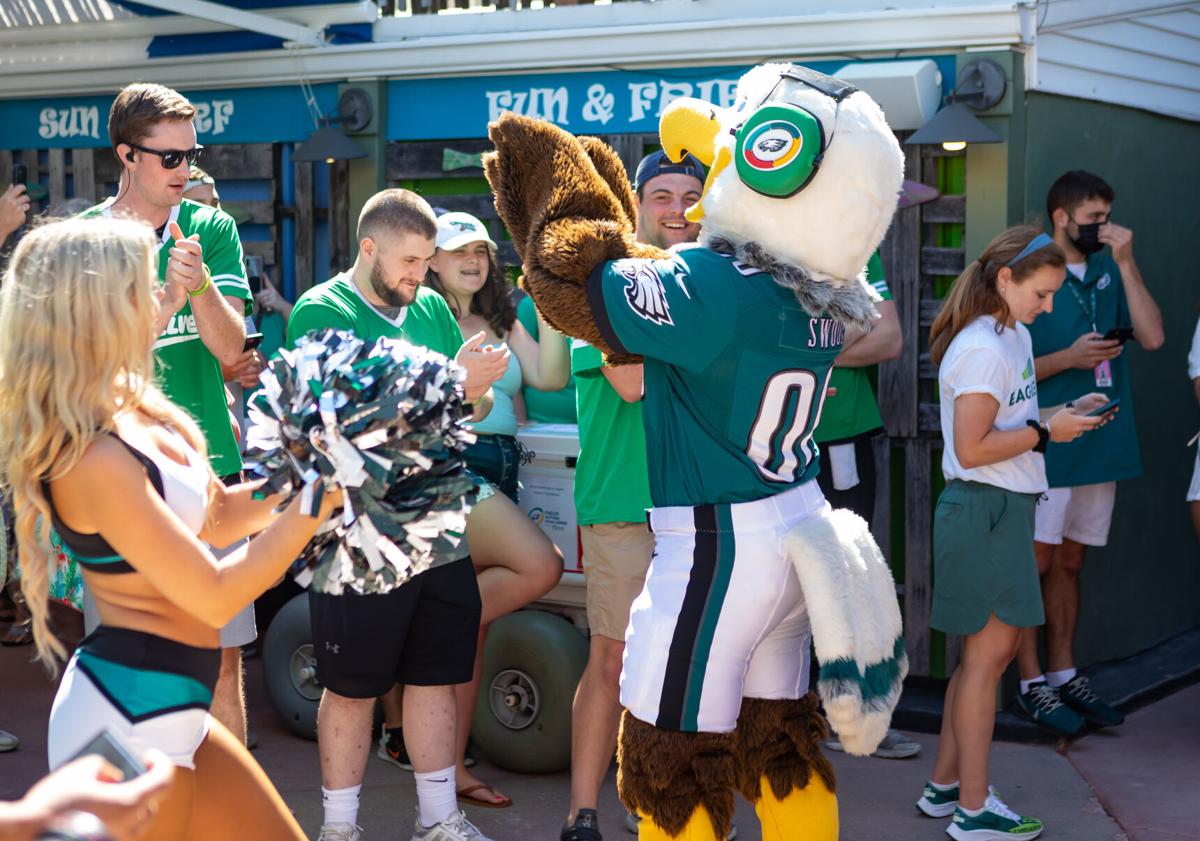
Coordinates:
[14,205]
[985,575]
[1078,348]
[105,468]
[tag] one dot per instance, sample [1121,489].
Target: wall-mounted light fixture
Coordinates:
[328,143]
[981,84]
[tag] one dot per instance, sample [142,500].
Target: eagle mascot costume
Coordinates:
[738,336]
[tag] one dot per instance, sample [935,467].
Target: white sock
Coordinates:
[1026,684]
[1057,679]
[946,787]
[341,804]
[974,813]
[436,796]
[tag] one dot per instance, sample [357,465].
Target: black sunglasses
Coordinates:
[171,158]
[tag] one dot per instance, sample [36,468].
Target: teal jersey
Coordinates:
[188,373]
[338,304]
[545,406]
[735,373]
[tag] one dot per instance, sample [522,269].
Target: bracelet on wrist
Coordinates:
[1043,433]
[203,286]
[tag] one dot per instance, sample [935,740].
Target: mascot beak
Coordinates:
[692,125]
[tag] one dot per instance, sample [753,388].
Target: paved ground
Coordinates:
[1143,774]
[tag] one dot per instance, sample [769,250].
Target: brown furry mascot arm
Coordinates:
[569,207]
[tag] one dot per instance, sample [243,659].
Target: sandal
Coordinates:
[467,794]
[585,828]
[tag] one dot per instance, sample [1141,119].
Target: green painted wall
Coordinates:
[1145,585]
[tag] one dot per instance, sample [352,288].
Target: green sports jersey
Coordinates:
[853,410]
[337,303]
[545,406]
[188,372]
[612,484]
[735,373]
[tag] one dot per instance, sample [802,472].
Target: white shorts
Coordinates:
[722,615]
[1082,513]
[1194,490]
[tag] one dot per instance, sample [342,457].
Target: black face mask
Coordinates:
[1088,241]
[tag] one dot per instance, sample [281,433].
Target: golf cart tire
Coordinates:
[532,662]
[287,658]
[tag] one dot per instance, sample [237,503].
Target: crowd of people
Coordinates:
[123,342]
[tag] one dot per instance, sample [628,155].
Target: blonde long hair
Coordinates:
[77,317]
[974,293]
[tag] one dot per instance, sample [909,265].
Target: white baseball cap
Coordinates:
[454,230]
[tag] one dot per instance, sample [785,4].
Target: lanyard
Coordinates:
[1089,313]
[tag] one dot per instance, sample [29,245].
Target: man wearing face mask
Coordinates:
[1078,349]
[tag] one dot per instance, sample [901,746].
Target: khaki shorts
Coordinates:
[615,559]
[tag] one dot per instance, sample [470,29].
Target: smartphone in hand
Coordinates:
[1105,409]
[109,746]
[1119,334]
[254,272]
[253,340]
[20,174]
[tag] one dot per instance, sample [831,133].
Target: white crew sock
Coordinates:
[944,787]
[341,804]
[437,798]
[1026,684]
[1057,679]
[974,813]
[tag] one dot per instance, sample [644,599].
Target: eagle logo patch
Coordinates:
[644,290]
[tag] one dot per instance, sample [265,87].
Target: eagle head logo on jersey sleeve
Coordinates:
[644,290]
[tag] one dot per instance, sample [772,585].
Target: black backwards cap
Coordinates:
[657,163]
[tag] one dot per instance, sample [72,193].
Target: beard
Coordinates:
[390,297]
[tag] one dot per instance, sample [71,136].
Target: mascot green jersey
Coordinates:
[737,336]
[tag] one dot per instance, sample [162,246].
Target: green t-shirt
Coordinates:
[853,410]
[545,406]
[612,484]
[1110,453]
[735,373]
[337,303]
[188,373]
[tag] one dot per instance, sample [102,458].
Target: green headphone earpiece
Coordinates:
[778,150]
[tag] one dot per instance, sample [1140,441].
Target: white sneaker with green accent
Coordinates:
[938,802]
[996,822]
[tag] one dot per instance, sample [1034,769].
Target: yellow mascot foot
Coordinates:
[699,828]
[806,814]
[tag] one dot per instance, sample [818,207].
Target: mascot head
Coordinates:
[803,164]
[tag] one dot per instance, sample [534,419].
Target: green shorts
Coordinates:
[983,560]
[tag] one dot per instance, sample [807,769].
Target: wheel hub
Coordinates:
[303,671]
[514,699]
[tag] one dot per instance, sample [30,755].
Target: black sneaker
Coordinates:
[585,828]
[1077,693]
[1042,705]
[391,748]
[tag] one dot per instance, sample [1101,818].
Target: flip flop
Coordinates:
[466,794]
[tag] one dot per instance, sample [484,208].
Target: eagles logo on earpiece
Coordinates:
[778,150]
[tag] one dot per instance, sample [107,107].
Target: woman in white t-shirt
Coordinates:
[985,575]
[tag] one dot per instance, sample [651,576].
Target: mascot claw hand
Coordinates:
[738,338]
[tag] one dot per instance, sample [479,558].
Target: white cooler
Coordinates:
[548,486]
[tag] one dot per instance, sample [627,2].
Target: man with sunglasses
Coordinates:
[200,259]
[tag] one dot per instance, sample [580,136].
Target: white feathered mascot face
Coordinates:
[803,164]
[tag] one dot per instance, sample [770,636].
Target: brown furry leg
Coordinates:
[666,774]
[780,740]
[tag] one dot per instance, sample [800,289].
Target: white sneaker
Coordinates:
[454,828]
[340,832]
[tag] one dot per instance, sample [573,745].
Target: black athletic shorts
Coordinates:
[423,633]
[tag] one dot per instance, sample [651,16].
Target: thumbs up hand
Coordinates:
[185,265]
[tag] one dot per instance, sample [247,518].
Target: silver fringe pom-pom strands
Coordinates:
[383,421]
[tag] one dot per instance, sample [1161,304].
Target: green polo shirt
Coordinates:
[545,406]
[854,409]
[1111,452]
[612,481]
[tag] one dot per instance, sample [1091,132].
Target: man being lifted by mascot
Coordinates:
[738,336]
